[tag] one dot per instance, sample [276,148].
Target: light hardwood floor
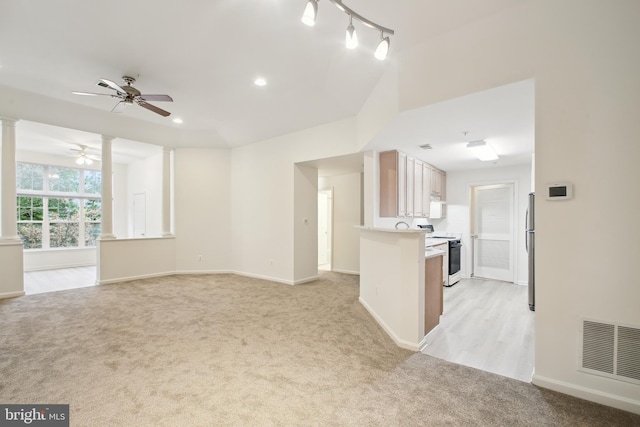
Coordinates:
[487,325]
[37,282]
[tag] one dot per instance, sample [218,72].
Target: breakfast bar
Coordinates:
[401,283]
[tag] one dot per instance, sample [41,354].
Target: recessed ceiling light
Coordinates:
[178,120]
[260,81]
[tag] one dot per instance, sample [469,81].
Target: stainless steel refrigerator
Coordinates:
[530,240]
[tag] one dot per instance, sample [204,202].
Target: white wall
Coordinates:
[202,210]
[347,196]
[459,213]
[145,176]
[262,180]
[120,201]
[392,284]
[585,62]
[305,223]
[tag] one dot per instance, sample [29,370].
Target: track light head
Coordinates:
[351,36]
[383,48]
[310,13]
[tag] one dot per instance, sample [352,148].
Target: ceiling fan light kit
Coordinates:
[130,95]
[311,13]
[82,157]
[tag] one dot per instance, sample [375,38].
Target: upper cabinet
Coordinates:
[438,183]
[406,185]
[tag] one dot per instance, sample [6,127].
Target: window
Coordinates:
[58,207]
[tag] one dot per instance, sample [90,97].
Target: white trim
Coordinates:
[10,241]
[307,280]
[59,266]
[592,395]
[521,283]
[354,273]
[12,294]
[400,343]
[202,272]
[132,278]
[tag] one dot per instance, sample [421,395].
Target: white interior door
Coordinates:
[139,215]
[493,226]
[325,210]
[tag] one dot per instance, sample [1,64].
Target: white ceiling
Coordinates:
[503,117]
[206,54]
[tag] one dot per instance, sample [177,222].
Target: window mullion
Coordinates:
[45,223]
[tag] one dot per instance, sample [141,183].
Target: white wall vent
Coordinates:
[611,350]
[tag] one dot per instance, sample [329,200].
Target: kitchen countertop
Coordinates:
[393,230]
[432,241]
[431,253]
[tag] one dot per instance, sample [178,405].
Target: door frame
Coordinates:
[514,232]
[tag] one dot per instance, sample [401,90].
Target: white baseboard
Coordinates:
[399,342]
[12,294]
[307,280]
[603,398]
[353,273]
[262,277]
[59,266]
[132,278]
[196,272]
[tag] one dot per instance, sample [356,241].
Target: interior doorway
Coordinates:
[325,228]
[492,225]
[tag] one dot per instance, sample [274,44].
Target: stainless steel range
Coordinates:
[455,247]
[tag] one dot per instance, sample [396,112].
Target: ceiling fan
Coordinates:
[82,157]
[129,95]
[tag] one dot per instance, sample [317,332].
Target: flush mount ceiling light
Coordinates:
[311,12]
[482,150]
[260,82]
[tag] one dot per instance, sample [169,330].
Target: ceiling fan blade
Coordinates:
[153,108]
[165,98]
[93,94]
[111,85]
[119,107]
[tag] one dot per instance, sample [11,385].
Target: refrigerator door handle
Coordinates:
[526,230]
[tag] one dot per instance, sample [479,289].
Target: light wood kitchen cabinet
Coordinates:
[433,292]
[418,193]
[438,183]
[393,184]
[445,261]
[426,189]
[405,185]
[410,180]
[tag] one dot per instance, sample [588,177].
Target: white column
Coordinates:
[9,225]
[107,189]
[166,192]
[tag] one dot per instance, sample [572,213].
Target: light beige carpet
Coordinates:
[228,350]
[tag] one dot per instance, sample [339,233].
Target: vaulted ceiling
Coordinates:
[206,55]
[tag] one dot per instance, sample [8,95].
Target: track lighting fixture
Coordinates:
[352,36]
[311,12]
[383,47]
